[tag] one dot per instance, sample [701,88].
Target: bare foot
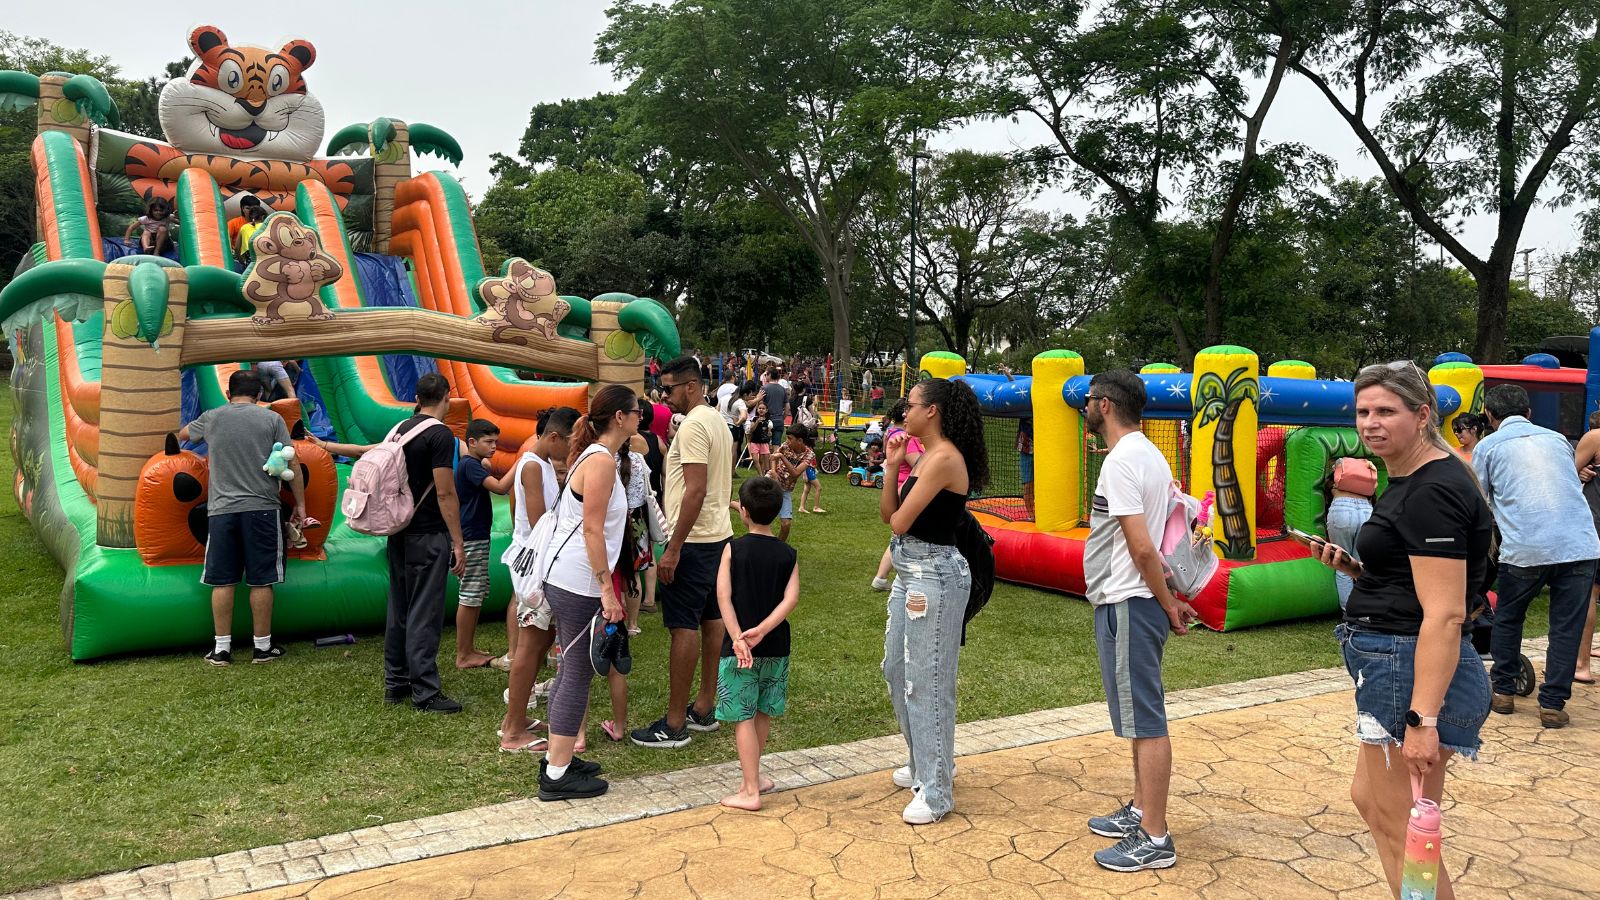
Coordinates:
[767,786]
[742,800]
[477,660]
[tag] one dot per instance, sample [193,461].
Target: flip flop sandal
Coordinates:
[502,663]
[537,745]
[1577,680]
[611,730]
[819,511]
[533,725]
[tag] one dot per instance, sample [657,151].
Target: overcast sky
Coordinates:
[476,67]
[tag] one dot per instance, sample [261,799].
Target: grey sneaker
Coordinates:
[1137,851]
[1118,824]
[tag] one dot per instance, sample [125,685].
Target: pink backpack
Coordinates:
[377,498]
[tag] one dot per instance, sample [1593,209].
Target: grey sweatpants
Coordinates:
[418,564]
[569,696]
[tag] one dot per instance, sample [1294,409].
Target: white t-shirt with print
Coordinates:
[1134,480]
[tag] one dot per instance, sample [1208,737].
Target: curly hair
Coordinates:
[961,423]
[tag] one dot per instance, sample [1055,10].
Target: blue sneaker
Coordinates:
[1119,824]
[1136,852]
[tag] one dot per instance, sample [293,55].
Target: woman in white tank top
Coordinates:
[588,539]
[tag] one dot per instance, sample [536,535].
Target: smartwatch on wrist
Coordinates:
[1418,721]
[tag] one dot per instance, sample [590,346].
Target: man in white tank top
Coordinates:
[535,488]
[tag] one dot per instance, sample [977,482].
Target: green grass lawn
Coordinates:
[142,760]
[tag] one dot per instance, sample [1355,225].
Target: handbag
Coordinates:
[655,523]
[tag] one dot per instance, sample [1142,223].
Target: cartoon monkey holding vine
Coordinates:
[290,267]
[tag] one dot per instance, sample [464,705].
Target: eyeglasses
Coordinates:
[1093,397]
[1399,365]
[636,411]
[669,388]
[917,403]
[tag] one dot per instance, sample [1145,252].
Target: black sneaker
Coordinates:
[267,655]
[660,734]
[396,695]
[696,722]
[600,635]
[438,703]
[573,785]
[219,657]
[577,765]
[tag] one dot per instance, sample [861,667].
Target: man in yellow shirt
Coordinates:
[699,483]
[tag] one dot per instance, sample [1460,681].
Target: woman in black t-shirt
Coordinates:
[929,599]
[1420,686]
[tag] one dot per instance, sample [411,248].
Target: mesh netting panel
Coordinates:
[1005,475]
[1170,437]
[1093,456]
[1272,474]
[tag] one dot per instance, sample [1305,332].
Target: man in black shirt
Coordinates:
[420,555]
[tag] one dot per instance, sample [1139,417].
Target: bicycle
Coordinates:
[849,450]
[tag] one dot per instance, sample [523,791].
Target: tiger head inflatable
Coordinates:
[243,101]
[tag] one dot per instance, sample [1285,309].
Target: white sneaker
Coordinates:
[917,811]
[533,699]
[902,776]
[880,584]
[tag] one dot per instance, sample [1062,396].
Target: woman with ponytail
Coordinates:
[579,585]
[929,598]
[1421,692]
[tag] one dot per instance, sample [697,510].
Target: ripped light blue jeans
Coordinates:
[921,645]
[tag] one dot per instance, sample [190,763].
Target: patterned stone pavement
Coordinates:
[1260,809]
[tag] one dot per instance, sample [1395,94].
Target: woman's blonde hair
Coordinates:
[1405,379]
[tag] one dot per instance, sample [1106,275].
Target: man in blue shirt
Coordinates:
[1545,538]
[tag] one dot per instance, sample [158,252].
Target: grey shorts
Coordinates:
[1130,637]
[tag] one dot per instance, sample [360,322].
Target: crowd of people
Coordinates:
[1415,563]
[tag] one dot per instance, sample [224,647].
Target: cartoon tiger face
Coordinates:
[243,101]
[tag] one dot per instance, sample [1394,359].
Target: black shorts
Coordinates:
[244,543]
[691,598]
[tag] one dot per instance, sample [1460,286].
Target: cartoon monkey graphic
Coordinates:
[521,300]
[290,266]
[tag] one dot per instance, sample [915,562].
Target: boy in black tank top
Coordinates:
[757,588]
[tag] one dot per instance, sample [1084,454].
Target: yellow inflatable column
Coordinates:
[1467,379]
[941,364]
[1227,386]
[1292,368]
[1164,432]
[1057,443]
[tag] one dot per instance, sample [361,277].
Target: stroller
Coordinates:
[1481,620]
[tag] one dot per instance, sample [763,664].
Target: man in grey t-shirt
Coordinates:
[244,534]
[776,396]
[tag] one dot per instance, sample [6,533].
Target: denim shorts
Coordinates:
[787,510]
[1383,668]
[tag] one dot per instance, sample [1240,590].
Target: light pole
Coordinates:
[911,289]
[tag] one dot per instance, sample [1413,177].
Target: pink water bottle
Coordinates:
[1419,879]
[1206,503]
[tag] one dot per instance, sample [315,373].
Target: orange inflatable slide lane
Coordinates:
[431,226]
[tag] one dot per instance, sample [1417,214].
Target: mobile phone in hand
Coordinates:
[1310,540]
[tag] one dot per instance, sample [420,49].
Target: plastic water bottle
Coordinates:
[1419,878]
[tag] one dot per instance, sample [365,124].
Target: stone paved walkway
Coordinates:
[1260,808]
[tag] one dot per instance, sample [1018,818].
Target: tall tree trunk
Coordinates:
[1222,239]
[1494,300]
[835,273]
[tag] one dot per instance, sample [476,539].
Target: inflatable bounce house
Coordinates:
[1262,445]
[369,272]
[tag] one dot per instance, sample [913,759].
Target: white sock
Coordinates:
[1159,841]
[555,772]
[264,642]
[1136,811]
[224,643]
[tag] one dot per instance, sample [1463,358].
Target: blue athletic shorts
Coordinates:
[1131,636]
[811,473]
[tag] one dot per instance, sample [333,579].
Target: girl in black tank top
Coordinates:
[922,642]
